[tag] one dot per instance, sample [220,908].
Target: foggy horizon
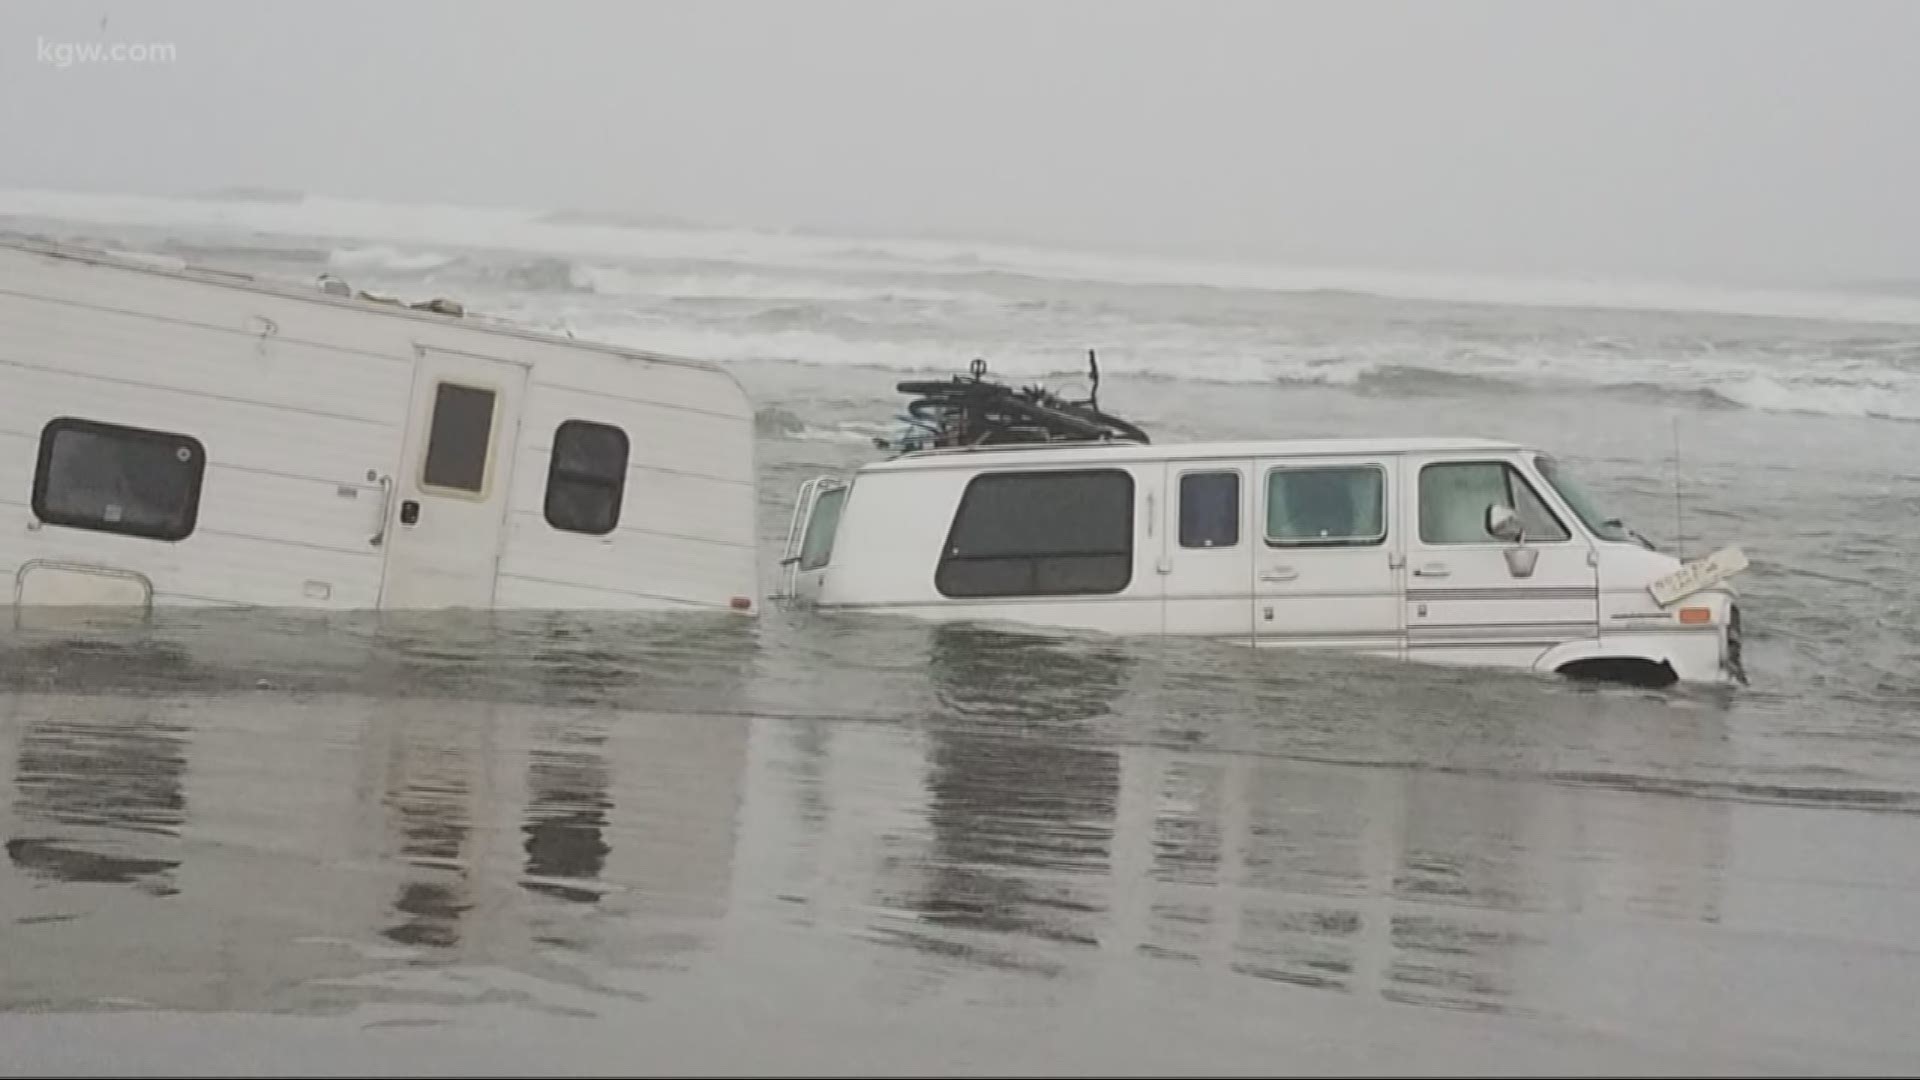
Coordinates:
[1732,142]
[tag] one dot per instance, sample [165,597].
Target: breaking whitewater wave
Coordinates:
[1365,367]
[384,259]
[1814,397]
[738,285]
[923,306]
[677,280]
[772,421]
[588,235]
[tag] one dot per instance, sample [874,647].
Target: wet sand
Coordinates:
[269,882]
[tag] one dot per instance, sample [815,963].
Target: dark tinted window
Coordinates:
[118,479]
[587,477]
[1210,509]
[1040,534]
[458,440]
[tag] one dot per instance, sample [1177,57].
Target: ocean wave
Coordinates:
[382,258]
[1813,397]
[245,193]
[1412,381]
[775,422]
[742,285]
[727,296]
[538,231]
[616,219]
[1760,393]
[676,281]
[539,274]
[1655,393]
[1385,372]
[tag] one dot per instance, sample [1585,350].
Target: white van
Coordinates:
[172,435]
[1446,550]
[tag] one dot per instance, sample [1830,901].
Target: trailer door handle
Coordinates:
[386,507]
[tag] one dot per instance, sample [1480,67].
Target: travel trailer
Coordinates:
[1023,507]
[173,435]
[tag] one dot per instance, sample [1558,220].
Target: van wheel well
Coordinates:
[1630,670]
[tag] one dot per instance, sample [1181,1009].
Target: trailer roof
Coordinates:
[173,266]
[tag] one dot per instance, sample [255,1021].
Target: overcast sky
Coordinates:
[1736,140]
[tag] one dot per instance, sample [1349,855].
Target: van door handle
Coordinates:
[1433,569]
[1280,573]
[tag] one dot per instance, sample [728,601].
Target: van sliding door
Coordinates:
[1329,560]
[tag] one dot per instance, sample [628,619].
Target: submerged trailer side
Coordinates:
[186,437]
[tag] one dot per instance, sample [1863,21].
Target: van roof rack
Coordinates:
[974,412]
[1055,444]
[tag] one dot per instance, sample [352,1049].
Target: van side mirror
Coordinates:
[1503,523]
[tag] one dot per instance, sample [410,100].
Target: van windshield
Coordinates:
[1603,524]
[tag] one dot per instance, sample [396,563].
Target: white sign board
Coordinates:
[1698,574]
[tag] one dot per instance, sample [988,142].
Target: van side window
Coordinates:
[586,477]
[1454,497]
[115,479]
[1327,505]
[1040,534]
[816,547]
[1210,509]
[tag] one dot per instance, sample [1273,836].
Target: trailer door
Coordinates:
[448,507]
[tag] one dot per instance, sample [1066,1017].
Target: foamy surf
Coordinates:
[1385,369]
[384,259]
[920,306]
[532,230]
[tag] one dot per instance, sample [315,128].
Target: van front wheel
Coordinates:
[1627,670]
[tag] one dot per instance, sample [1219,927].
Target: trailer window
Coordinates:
[1210,510]
[1454,497]
[1327,505]
[115,479]
[586,477]
[459,438]
[1040,534]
